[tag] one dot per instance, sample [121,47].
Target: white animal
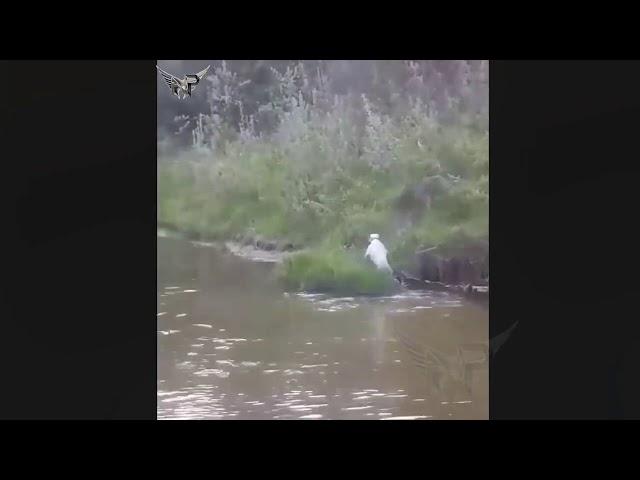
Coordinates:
[377,253]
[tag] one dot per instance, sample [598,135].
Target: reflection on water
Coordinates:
[232,345]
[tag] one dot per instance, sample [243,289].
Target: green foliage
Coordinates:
[329,174]
[334,270]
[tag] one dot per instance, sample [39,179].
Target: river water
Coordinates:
[233,345]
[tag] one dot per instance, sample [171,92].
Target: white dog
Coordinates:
[377,253]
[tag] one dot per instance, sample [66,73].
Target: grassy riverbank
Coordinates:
[262,191]
[328,177]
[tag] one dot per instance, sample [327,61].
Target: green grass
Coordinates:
[334,270]
[309,197]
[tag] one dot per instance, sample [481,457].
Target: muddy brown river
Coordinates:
[232,345]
